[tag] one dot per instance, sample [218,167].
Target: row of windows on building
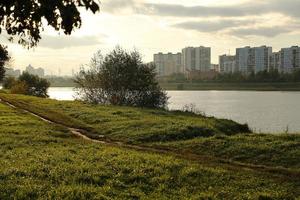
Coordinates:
[246,60]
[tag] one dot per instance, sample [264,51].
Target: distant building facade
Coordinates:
[12,73]
[215,67]
[275,62]
[167,64]
[227,64]
[39,71]
[196,59]
[254,59]
[290,59]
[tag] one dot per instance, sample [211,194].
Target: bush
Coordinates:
[120,78]
[9,82]
[27,84]
[19,88]
[36,86]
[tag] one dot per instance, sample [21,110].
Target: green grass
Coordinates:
[131,125]
[178,132]
[281,150]
[43,161]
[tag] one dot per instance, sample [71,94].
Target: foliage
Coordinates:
[57,81]
[237,77]
[25,18]
[27,84]
[36,86]
[4,57]
[19,87]
[9,82]
[44,161]
[120,78]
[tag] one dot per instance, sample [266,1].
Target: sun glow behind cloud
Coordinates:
[155,25]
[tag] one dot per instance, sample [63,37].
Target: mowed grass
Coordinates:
[175,131]
[43,161]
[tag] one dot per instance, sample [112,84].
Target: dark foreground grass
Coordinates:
[174,131]
[44,161]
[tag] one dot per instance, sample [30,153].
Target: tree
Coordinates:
[120,78]
[4,57]
[33,85]
[24,18]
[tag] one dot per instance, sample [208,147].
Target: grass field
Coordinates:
[41,160]
[176,131]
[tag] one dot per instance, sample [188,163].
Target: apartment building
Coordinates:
[290,59]
[227,64]
[196,59]
[275,61]
[254,59]
[167,64]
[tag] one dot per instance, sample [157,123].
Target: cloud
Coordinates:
[212,26]
[63,41]
[261,31]
[254,7]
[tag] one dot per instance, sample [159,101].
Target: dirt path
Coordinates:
[276,172]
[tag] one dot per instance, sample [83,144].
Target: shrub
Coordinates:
[120,78]
[36,86]
[9,82]
[19,87]
[27,84]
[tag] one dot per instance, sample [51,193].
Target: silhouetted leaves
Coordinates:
[24,18]
[4,57]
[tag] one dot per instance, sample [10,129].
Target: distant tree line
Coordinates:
[263,76]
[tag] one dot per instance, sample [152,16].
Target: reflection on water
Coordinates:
[263,111]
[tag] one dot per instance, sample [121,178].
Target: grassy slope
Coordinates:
[39,160]
[180,132]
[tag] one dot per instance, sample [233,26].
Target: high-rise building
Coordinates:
[243,59]
[275,61]
[253,59]
[167,64]
[196,59]
[261,58]
[13,73]
[290,59]
[227,64]
[39,71]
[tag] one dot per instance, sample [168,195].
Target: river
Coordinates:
[268,112]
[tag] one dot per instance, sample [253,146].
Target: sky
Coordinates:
[152,26]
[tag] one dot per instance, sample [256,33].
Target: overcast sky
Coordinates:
[155,25]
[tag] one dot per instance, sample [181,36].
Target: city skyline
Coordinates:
[219,24]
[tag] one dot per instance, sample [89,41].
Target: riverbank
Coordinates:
[243,86]
[232,86]
[218,157]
